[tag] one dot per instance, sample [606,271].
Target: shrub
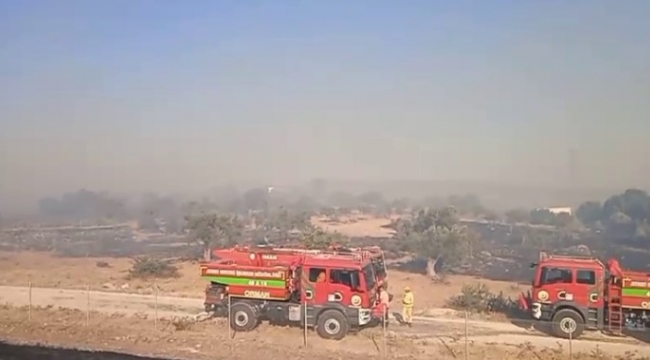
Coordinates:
[147,267]
[183,323]
[477,298]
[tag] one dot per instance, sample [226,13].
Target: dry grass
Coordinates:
[432,295]
[210,339]
[355,225]
[46,270]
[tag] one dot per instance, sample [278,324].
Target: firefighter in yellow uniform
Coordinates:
[407,306]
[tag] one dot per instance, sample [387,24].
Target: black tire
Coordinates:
[567,324]
[332,325]
[243,317]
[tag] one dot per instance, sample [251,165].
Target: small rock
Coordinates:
[108,286]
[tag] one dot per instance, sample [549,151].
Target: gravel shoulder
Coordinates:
[436,328]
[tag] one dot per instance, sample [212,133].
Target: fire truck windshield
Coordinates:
[369,274]
[555,275]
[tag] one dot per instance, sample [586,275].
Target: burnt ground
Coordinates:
[505,252]
[10,351]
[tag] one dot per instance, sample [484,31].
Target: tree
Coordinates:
[563,220]
[620,225]
[174,225]
[147,221]
[636,204]
[213,230]
[256,199]
[467,204]
[436,234]
[399,206]
[621,216]
[283,222]
[157,212]
[542,217]
[317,238]
[589,213]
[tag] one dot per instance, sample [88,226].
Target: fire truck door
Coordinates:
[342,286]
[589,287]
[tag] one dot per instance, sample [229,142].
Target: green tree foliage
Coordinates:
[436,234]
[284,221]
[213,230]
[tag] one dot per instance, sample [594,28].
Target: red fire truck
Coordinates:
[331,293]
[578,293]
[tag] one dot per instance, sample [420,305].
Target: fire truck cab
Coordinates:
[578,293]
[569,292]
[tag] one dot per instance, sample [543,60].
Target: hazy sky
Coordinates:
[183,95]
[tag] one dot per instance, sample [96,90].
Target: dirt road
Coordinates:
[452,329]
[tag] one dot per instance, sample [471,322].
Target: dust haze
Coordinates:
[544,108]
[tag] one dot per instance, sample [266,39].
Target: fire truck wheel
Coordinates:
[243,317]
[333,325]
[568,324]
